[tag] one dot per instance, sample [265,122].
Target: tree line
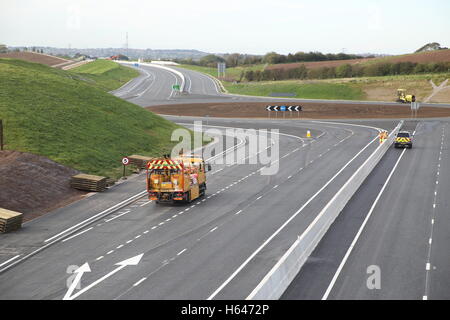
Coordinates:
[238,59]
[346,71]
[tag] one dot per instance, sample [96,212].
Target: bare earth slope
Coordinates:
[33,184]
[36,57]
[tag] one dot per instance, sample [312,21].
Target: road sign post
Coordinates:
[125,162]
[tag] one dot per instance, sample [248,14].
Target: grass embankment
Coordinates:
[316,90]
[53,113]
[105,74]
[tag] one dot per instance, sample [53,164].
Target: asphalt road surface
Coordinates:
[222,245]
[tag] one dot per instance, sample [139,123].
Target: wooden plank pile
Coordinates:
[10,220]
[139,161]
[88,182]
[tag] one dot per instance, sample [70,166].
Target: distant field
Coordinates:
[105,74]
[302,89]
[54,113]
[422,57]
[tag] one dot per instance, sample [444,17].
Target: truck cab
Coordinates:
[181,179]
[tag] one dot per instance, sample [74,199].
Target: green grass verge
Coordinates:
[316,90]
[104,74]
[50,112]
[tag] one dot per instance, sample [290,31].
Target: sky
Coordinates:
[244,26]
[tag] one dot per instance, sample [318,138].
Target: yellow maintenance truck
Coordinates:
[181,179]
[405,98]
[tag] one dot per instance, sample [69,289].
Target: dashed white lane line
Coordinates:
[129,241]
[153,228]
[213,229]
[238,212]
[146,231]
[289,177]
[138,236]
[139,282]
[174,216]
[259,198]
[75,235]
[160,224]
[181,252]
[109,252]
[275,186]
[120,246]
[99,258]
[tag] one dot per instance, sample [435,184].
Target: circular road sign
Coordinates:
[125,161]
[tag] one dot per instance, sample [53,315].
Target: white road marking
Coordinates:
[146,231]
[289,177]
[213,229]
[233,275]
[238,212]
[77,234]
[160,224]
[427,267]
[350,249]
[7,261]
[259,198]
[109,252]
[181,252]
[153,228]
[275,186]
[99,258]
[129,241]
[108,220]
[118,247]
[138,236]
[146,203]
[139,282]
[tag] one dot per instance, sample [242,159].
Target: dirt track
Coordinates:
[310,110]
[34,185]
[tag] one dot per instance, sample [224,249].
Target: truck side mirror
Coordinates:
[209,166]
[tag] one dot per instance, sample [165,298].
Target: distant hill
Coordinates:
[132,53]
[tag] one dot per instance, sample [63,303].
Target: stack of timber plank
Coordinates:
[88,182]
[139,161]
[10,220]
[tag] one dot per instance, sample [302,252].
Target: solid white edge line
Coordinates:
[231,277]
[350,249]
[7,261]
[77,234]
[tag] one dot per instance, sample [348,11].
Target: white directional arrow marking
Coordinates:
[84,268]
[128,262]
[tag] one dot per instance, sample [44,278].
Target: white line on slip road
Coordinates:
[139,282]
[213,229]
[77,234]
[146,203]
[115,217]
[181,252]
[7,261]
[350,249]
[242,266]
